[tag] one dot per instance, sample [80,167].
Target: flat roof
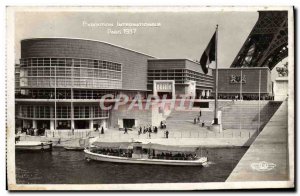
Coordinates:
[242,68]
[87,40]
[176,59]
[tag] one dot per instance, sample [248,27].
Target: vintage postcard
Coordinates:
[150,98]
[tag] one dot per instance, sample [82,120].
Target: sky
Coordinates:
[180,35]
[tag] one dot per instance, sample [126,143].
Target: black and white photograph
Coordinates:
[150,98]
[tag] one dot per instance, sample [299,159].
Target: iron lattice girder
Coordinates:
[267,43]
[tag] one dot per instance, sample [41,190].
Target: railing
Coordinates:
[114,135]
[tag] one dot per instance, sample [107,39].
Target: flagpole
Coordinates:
[241,91]
[55,102]
[259,83]
[217,76]
[241,86]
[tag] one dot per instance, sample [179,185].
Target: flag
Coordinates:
[209,54]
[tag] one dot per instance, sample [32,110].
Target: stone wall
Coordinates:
[142,117]
[251,85]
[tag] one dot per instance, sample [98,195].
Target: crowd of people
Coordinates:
[113,152]
[163,125]
[149,130]
[197,119]
[177,156]
[128,153]
[97,129]
[33,131]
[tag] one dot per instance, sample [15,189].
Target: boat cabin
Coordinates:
[139,152]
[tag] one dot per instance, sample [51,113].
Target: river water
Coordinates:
[69,167]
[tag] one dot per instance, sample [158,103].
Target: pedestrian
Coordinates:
[194,120]
[125,131]
[198,119]
[149,135]
[203,123]
[167,134]
[72,131]
[102,130]
[200,114]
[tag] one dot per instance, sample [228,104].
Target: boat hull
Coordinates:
[106,158]
[73,148]
[40,147]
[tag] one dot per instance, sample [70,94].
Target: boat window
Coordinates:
[145,151]
[137,150]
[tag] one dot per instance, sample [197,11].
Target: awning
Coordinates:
[121,145]
[171,148]
[160,147]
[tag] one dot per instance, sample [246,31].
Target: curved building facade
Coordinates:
[62,80]
[90,59]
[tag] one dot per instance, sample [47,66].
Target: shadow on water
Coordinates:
[69,167]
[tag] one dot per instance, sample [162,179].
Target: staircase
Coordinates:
[245,115]
[236,115]
[184,120]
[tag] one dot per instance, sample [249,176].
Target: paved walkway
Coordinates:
[267,157]
[199,136]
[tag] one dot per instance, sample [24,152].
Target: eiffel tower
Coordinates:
[267,43]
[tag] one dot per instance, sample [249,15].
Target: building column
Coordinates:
[52,116]
[208,93]
[34,124]
[72,124]
[52,125]
[103,123]
[91,112]
[173,90]
[25,124]
[91,125]
[154,88]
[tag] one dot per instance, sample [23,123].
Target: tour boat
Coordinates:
[33,145]
[138,153]
[74,148]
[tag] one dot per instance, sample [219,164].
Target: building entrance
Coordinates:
[81,124]
[128,123]
[63,124]
[161,87]
[161,94]
[43,124]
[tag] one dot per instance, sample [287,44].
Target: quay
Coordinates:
[201,137]
[267,159]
